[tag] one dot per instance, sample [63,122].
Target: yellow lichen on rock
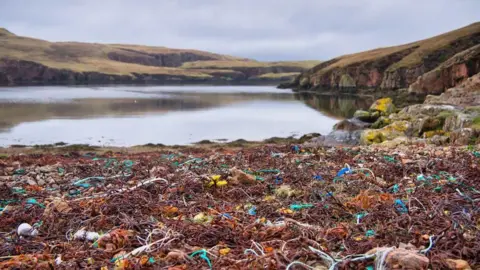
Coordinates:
[400,126]
[430,134]
[384,106]
[370,136]
[390,132]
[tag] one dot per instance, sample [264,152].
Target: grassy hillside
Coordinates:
[389,67]
[420,49]
[121,59]
[232,64]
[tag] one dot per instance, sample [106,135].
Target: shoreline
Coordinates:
[286,198]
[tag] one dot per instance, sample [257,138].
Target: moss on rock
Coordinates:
[366,116]
[346,81]
[381,122]
[430,134]
[371,136]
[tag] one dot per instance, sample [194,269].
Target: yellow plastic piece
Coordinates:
[222,183]
[224,251]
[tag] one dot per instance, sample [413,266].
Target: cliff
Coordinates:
[429,66]
[26,60]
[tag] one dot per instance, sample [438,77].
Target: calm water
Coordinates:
[135,115]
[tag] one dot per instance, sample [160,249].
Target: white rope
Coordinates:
[119,191]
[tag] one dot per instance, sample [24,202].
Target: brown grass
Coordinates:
[425,47]
[278,75]
[93,57]
[249,64]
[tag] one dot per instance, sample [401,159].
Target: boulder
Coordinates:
[366,116]
[439,140]
[464,136]
[426,109]
[240,177]
[458,264]
[402,258]
[384,106]
[381,122]
[390,132]
[335,138]
[350,125]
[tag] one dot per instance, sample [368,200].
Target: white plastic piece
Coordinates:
[26,229]
[58,260]
[82,235]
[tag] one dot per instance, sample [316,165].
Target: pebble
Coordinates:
[31,182]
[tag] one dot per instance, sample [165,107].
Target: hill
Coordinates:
[28,60]
[428,66]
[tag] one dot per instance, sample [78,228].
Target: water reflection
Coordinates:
[170,115]
[338,106]
[14,113]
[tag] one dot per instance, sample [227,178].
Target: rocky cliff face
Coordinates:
[14,72]
[429,66]
[26,60]
[465,94]
[449,73]
[159,60]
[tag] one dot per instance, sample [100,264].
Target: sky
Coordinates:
[267,30]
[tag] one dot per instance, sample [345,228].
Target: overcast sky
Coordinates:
[260,29]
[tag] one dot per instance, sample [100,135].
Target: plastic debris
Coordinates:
[298,207]
[19,172]
[400,206]
[203,255]
[26,229]
[33,201]
[86,235]
[344,171]
[252,211]
[202,218]
[170,212]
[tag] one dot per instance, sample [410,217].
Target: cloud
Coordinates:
[261,29]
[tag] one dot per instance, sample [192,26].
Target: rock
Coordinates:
[340,137]
[449,73]
[464,136]
[384,106]
[47,169]
[308,137]
[58,205]
[402,258]
[465,94]
[5,179]
[456,121]
[381,122]
[41,182]
[372,136]
[240,177]
[439,140]
[395,142]
[426,109]
[431,123]
[350,125]
[458,264]
[390,132]
[346,81]
[366,116]
[31,182]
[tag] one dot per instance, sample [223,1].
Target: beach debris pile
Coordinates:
[268,206]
